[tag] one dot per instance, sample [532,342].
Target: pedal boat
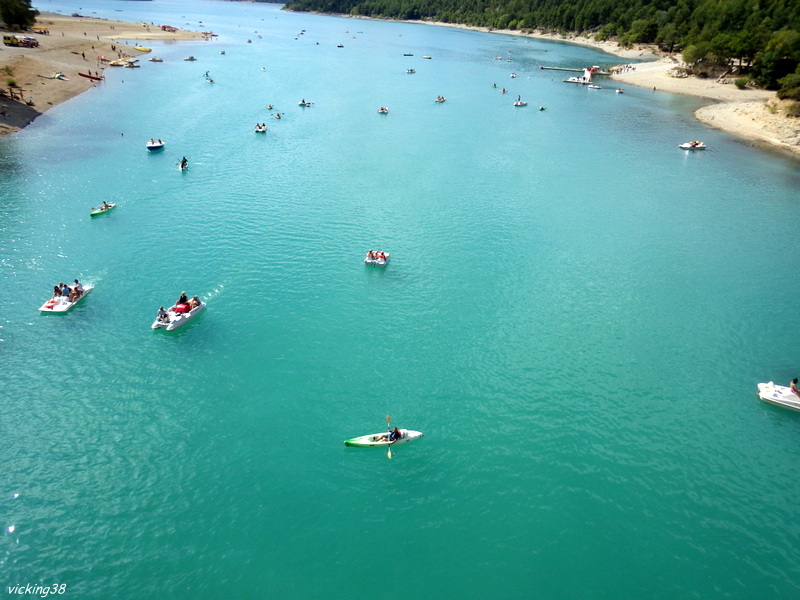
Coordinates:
[62,303]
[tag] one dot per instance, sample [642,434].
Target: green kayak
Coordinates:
[101,210]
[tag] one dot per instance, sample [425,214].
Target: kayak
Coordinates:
[366,441]
[100,211]
[177,319]
[62,303]
[779,395]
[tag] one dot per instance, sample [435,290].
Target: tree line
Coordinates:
[759,37]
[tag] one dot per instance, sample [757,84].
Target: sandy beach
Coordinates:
[73,45]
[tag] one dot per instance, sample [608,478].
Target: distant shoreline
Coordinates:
[749,113]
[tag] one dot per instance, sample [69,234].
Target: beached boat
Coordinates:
[154,145]
[92,77]
[697,145]
[101,210]
[378,257]
[141,49]
[178,316]
[779,395]
[375,439]
[62,304]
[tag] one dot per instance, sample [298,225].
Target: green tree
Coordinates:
[17,12]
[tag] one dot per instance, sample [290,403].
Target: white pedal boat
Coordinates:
[175,320]
[152,146]
[375,260]
[62,303]
[692,146]
[779,395]
[365,441]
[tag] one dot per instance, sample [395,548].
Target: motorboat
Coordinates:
[101,210]
[411,70]
[222,51]
[380,439]
[190,58]
[178,316]
[520,102]
[620,91]
[594,86]
[428,57]
[260,128]
[304,103]
[155,59]
[154,145]
[441,99]
[696,145]
[408,54]
[779,395]
[61,304]
[383,110]
[513,75]
[580,80]
[379,258]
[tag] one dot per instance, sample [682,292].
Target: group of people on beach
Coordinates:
[71,293]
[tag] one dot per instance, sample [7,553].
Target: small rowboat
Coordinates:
[92,77]
[366,441]
[62,303]
[101,211]
[779,395]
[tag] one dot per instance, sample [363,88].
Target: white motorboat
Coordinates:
[177,318]
[696,145]
[620,91]
[155,59]
[62,304]
[378,257]
[779,395]
[155,145]
[593,86]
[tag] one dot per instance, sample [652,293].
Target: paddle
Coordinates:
[389,427]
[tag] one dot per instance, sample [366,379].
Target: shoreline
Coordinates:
[750,113]
[73,45]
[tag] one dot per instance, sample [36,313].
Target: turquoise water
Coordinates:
[576,314]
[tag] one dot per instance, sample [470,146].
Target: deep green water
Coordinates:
[576,315]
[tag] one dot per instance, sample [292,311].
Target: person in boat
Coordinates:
[389,436]
[494,85]
[183,299]
[194,303]
[370,255]
[56,291]
[269,106]
[277,115]
[162,316]
[65,289]
[151,141]
[76,292]
[503,91]
[105,205]
[184,163]
[793,387]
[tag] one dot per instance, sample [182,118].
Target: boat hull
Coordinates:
[59,306]
[367,441]
[779,395]
[102,211]
[177,320]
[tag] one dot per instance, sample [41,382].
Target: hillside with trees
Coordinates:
[757,38]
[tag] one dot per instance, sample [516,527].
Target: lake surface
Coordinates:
[576,314]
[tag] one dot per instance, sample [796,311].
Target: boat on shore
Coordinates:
[141,49]
[378,439]
[178,316]
[92,77]
[62,304]
[779,395]
[696,145]
[101,210]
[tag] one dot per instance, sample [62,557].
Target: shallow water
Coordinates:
[575,314]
